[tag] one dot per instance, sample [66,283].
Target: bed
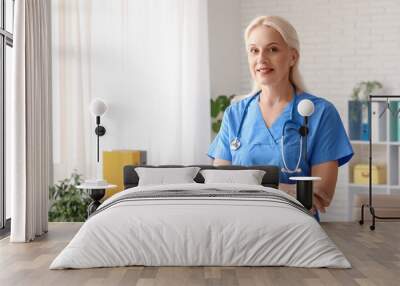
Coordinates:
[201,224]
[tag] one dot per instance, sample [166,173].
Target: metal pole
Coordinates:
[98,145]
[370,148]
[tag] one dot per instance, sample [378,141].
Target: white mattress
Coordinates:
[200,231]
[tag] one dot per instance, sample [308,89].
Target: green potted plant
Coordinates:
[218,106]
[67,203]
[358,109]
[363,89]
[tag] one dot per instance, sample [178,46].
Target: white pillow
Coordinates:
[165,176]
[249,177]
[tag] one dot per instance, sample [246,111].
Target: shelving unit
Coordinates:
[385,140]
[385,153]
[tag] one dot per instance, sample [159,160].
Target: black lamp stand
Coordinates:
[303,130]
[100,131]
[304,188]
[96,195]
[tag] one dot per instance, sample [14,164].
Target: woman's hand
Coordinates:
[319,204]
[324,189]
[320,201]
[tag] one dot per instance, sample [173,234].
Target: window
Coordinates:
[6,44]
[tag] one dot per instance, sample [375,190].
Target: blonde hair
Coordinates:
[289,35]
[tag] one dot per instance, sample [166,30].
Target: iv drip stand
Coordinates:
[369,205]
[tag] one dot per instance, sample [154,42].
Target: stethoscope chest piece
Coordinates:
[235,144]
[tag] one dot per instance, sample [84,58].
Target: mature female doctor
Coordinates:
[262,129]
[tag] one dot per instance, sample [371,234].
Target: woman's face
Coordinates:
[270,58]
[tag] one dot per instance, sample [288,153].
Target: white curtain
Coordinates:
[31,159]
[149,61]
[72,91]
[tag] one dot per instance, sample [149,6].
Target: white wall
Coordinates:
[148,60]
[224,42]
[342,43]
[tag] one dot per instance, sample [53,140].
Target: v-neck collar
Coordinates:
[275,131]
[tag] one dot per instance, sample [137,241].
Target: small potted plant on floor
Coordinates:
[68,203]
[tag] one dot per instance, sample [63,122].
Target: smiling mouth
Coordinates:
[264,70]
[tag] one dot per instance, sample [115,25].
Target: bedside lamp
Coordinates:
[304,185]
[96,188]
[98,108]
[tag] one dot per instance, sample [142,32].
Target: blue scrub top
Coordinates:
[259,145]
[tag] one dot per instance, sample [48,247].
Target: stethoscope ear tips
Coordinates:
[286,170]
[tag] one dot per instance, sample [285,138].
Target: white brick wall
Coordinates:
[342,43]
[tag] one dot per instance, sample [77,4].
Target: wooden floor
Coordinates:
[375,257]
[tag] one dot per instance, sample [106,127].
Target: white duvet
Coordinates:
[200,231]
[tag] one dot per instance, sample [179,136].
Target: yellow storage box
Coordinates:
[361,174]
[113,167]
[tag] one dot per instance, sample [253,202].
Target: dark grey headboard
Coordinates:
[270,179]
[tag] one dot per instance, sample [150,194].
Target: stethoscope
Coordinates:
[235,143]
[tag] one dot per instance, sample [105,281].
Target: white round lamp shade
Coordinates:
[305,107]
[97,107]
